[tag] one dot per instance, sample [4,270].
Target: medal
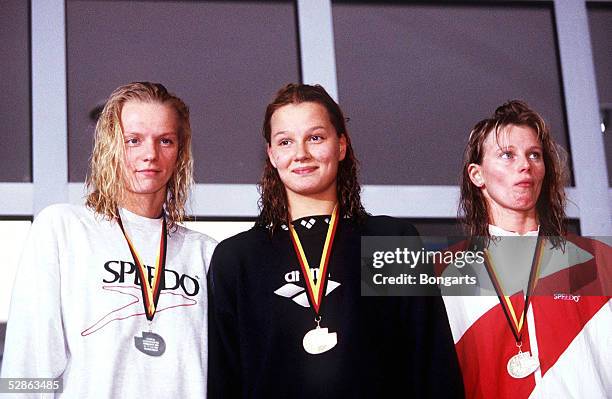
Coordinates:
[522,364]
[317,340]
[150,343]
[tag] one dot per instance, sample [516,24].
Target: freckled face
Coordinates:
[305,149]
[151,133]
[512,169]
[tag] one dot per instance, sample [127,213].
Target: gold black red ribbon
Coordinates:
[150,293]
[316,288]
[516,325]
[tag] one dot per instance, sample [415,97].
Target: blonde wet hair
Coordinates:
[106,181]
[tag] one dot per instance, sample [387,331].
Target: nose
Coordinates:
[150,151]
[301,152]
[524,164]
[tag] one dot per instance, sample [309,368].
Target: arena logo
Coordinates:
[297,293]
[122,270]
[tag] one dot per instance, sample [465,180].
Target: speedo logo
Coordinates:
[120,271]
[298,294]
[567,297]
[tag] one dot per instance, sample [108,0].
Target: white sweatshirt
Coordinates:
[76,308]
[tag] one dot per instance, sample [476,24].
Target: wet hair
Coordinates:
[550,206]
[273,203]
[106,181]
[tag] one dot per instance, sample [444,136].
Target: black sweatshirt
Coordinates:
[259,314]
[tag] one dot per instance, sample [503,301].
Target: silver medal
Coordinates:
[522,364]
[150,344]
[319,340]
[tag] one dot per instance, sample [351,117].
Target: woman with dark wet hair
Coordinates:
[287,319]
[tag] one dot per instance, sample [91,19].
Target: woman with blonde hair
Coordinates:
[110,297]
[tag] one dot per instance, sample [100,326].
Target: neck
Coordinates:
[147,205]
[519,222]
[301,206]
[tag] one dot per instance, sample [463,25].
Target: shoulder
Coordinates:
[241,249]
[388,226]
[62,210]
[596,246]
[195,241]
[62,214]
[242,242]
[55,222]
[192,235]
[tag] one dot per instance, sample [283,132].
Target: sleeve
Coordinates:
[35,344]
[224,380]
[209,249]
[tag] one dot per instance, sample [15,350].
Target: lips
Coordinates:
[304,170]
[148,172]
[525,183]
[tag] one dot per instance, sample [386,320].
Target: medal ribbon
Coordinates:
[150,294]
[315,289]
[516,325]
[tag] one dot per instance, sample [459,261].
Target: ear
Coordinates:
[270,155]
[342,145]
[476,175]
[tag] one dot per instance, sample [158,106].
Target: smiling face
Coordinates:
[305,149]
[151,137]
[511,173]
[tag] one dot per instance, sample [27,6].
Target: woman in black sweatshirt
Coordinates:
[286,317]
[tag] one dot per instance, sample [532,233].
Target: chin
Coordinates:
[523,207]
[144,190]
[308,190]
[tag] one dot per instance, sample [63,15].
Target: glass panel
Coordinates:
[16,148]
[225,59]
[600,21]
[415,78]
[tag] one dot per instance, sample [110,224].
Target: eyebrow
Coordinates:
[512,147]
[137,133]
[308,131]
[279,133]
[316,128]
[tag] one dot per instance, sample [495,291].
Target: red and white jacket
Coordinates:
[571,335]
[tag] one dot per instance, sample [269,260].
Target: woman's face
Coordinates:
[512,170]
[305,150]
[151,137]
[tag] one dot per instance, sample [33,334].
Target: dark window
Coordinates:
[414,78]
[16,148]
[600,21]
[225,59]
